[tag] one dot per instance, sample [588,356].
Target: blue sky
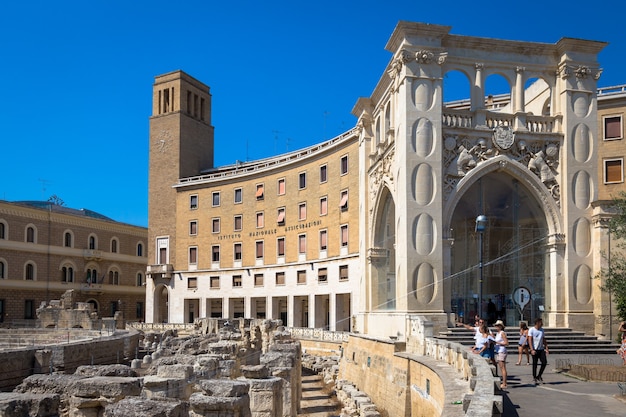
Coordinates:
[77,78]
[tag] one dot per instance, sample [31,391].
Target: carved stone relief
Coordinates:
[381,173]
[463,154]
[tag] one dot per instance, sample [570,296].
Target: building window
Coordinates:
[67,274]
[302,180]
[280,278]
[30,234]
[92,276]
[114,246]
[302,277]
[322,275]
[93,244]
[139,312]
[215,199]
[3,269]
[67,240]
[215,253]
[302,244]
[139,249]
[302,211]
[29,272]
[139,281]
[343,272]
[280,219]
[215,225]
[238,195]
[282,186]
[29,309]
[237,251]
[259,249]
[323,206]
[343,165]
[323,240]
[236,281]
[214,282]
[260,222]
[259,192]
[193,202]
[323,174]
[344,235]
[193,227]
[258,280]
[193,255]
[3,230]
[613,171]
[192,282]
[343,205]
[280,246]
[114,278]
[238,223]
[612,127]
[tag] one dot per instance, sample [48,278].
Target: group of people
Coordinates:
[494,346]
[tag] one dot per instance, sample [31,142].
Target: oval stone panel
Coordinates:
[582,284]
[581,189]
[423,184]
[582,143]
[424,283]
[580,104]
[422,94]
[424,236]
[582,236]
[423,137]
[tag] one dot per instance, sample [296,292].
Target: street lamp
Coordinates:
[481,225]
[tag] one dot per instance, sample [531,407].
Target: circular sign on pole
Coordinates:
[521,296]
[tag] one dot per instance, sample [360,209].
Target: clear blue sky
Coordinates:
[76,77]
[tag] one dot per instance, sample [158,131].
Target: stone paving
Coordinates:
[561,394]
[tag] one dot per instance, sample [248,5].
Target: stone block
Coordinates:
[254,371]
[104,386]
[224,387]
[26,404]
[203,405]
[175,371]
[141,407]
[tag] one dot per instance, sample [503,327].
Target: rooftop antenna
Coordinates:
[44,183]
[276,132]
[326,113]
[287,144]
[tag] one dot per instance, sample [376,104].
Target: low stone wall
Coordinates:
[19,363]
[407,378]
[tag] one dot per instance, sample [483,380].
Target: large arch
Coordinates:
[523,218]
[161,304]
[382,265]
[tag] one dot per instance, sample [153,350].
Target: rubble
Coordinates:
[247,368]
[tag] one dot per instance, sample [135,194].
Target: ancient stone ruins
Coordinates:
[230,368]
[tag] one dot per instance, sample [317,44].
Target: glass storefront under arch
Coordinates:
[514,252]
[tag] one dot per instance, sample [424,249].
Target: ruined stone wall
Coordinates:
[17,364]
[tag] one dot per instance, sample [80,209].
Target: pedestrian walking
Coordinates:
[501,342]
[522,344]
[538,349]
[622,350]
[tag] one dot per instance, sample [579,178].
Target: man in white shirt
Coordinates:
[538,349]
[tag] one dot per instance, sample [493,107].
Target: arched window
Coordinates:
[67,240]
[114,278]
[92,276]
[139,249]
[139,279]
[92,242]
[3,230]
[30,234]
[3,269]
[113,245]
[67,274]
[29,272]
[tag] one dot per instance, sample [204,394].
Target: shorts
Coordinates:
[501,357]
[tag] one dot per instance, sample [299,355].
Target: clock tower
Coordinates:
[181,145]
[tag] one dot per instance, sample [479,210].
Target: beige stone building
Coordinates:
[47,249]
[488,204]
